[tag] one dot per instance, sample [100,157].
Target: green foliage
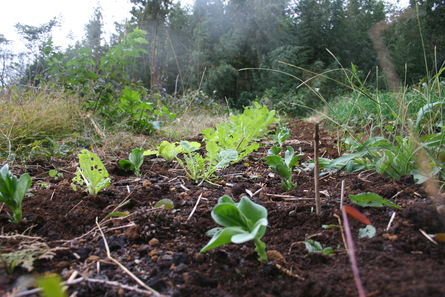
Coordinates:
[242,129]
[372,200]
[165,203]
[169,150]
[281,135]
[242,222]
[202,168]
[369,231]
[283,166]
[313,246]
[51,286]
[134,161]
[91,173]
[12,191]
[391,158]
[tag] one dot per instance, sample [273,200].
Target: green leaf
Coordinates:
[257,232]
[137,159]
[371,199]
[91,172]
[313,246]
[117,214]
[222,237]
[369,231]
[252,211]
[51,286]
[275,150]
[228,215]
[126,164]
[166,203]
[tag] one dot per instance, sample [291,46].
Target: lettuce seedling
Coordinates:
[12,191]
[243,221]
[202,168]
[134,161]
[283,166]
[169,150]
[91,172]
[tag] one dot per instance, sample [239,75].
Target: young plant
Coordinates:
[281,135]
[55,174]
[202,168]
[134,161]
[241,130]
[91,173]
[314,246]
[169,150]
[283,166]
[242,222]
[12,191]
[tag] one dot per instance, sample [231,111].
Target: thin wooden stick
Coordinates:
[342,195]
[316,171]
[154,292]
[194,208]
[351,253]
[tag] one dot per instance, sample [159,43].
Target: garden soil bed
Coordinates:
[161,248]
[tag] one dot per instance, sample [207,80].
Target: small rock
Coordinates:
[153,242]
[133,233]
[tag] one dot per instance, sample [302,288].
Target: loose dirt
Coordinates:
[161,248]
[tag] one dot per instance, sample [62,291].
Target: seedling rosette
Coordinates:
[242,222]
[283,166]
[12,191]
[91,173]
[134,162]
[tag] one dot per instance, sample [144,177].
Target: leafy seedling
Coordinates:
[369,231]
[281,135]
[134,161]
[371,199]
[12,191]
[283,166]
[91,173]
[313,246]
[242,222]
[55,174]
[169,150]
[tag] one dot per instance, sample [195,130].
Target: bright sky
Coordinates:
[73,14]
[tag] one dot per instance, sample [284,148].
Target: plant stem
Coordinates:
[261,250]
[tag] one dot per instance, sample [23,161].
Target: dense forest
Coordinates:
[239,50]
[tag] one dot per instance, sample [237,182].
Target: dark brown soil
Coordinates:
[162,248]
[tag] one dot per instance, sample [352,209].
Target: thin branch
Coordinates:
[123,267]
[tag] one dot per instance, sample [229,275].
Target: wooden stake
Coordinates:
[316,171]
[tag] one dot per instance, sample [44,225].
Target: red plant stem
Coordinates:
[351,253]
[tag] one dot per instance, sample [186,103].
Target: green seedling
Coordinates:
[313,246]
[283,166]
[134,161]
[169,150]
[55,174]
[202,168]
[281,135]
[242,222]
[12,191]
[91,173]
[51,286]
